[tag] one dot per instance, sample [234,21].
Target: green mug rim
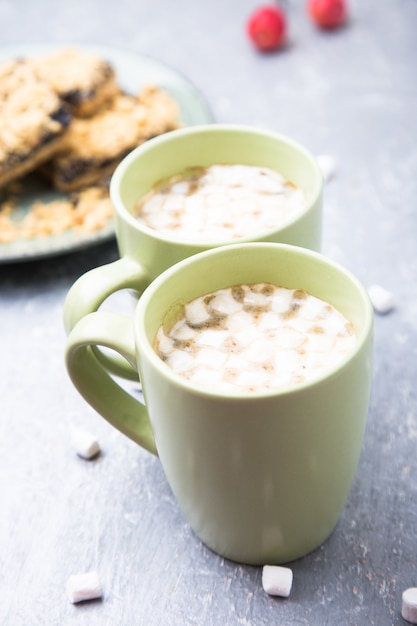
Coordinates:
[153,143]
[145,348]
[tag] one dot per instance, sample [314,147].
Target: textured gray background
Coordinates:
[351,94]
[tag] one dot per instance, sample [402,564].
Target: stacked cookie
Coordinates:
[65,115]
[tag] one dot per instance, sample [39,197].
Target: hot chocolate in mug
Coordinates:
[146,252]
[261,476]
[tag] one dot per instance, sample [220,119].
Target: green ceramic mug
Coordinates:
[144,253]
[261,477]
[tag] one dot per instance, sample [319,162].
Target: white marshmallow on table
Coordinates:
[409,605]
[81,587]
[382,299]
[327,164]
[277,580]
[85,444]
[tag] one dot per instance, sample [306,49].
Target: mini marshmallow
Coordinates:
[409,605]
[81,587]
[277,580]
[85,444]
[382,300]
[327,164]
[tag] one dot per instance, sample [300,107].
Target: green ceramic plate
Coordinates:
[133,72]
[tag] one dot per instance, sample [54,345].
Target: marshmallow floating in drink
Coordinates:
[220,202]
[255,337]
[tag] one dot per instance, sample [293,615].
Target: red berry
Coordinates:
[267,28]
[328,13]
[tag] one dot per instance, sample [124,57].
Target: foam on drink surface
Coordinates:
[255,337]
[220,202]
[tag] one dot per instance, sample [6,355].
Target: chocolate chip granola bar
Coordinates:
[33,120]
[86,211]
[94,146]
[83,80]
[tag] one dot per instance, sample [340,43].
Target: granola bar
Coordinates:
[33,121]
[95,146]
[83,80]
[86,211]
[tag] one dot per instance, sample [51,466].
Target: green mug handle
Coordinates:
[91,290]
[89,376]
